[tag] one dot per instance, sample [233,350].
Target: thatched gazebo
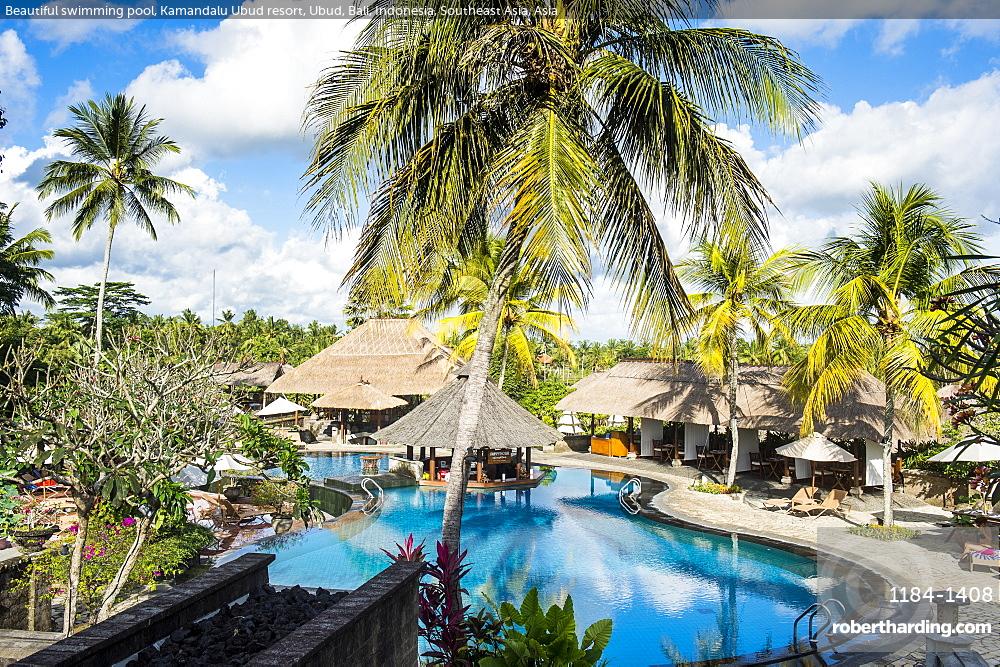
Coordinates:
[503,442]
[359,396]
[250,377]
[657,392]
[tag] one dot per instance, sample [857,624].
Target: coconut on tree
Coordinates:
[115,146]
[885,292]
[550,130]
[741,293]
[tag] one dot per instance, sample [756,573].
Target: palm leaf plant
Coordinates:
[885,297]
[115,147]
[741,293]
[548,124]
[526,312]
[20,273]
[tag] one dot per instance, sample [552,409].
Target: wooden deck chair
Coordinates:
[989,558]
[831,504]
[803,496]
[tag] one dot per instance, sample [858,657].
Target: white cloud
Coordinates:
[18,77]
[295,277]
[893,34]
[66,31]
[78,91]
[253,88]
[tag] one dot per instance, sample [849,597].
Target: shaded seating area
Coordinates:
[504,439]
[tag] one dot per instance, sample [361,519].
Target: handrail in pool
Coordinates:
[628,495]
[373,500]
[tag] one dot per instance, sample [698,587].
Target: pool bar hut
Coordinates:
[501,458]
[370,377]
[674,411]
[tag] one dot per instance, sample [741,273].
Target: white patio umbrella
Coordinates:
[973,451]
[280,406]
[816,447]
[196,474]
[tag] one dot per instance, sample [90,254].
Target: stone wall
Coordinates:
[934,489]
[14,600]
[333,502]
[374,625]
[132,630]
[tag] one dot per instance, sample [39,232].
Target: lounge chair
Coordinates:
[988,557]
[228,513]
[48,486]
[831,504]
[804,496]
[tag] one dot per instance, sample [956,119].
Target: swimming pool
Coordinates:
[672,593]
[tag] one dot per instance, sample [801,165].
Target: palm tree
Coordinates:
[115,146]
[885,288]
[549,129]
[742,293]
[525,312]
[20,274]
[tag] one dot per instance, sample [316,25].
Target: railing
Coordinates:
[810,614]
[628,495]
[374,502]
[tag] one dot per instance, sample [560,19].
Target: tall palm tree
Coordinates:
[526,311]
[20,273]
[885,289]
[115,146]
[549,129]
[742,293]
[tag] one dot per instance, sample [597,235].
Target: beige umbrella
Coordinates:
[968,451]
[816,447]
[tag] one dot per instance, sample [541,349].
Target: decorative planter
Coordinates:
[33,539]
[5,543]
[738,496]
[232,493]
[281,523]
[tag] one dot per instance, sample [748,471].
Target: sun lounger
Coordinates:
[988,557]
[831,504]
[228,513]
[803,496]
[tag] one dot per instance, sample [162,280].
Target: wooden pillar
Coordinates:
[423,451]
[343,426]
[593,424]
[433,466]
[409,452]
[631,430]
[528,453]
[479,470]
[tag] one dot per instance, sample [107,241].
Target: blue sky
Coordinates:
[906,100]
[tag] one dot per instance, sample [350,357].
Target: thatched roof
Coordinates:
[398,356]
[359,396]
[240,374]
[681,392]
[502,422]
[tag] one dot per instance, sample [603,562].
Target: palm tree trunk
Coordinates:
[472,402]
[732,381]
[99,315]
[503,361]
[890,418]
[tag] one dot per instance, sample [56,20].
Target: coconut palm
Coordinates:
[115,146]
[20,273]
[742,293]
[549,130]
[525,309]
[885,290]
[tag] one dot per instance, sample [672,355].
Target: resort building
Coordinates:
[370,377]
[674,410]
[250,379]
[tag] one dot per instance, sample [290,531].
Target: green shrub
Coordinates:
[884,533]
[715,488]
[531,636]
[281,496]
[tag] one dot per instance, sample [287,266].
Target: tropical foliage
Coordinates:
[742,294]
[20,273]
[116,146]
[526,315]
[549,131]
[886,292]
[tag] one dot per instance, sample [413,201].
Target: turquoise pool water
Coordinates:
[672,593]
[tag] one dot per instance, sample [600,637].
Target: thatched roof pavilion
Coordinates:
[503,424]
[241,374]
[681,392]
[400,357]
[360,396]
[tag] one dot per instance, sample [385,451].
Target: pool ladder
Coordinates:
[374,502]
[809,615]
[628,495]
